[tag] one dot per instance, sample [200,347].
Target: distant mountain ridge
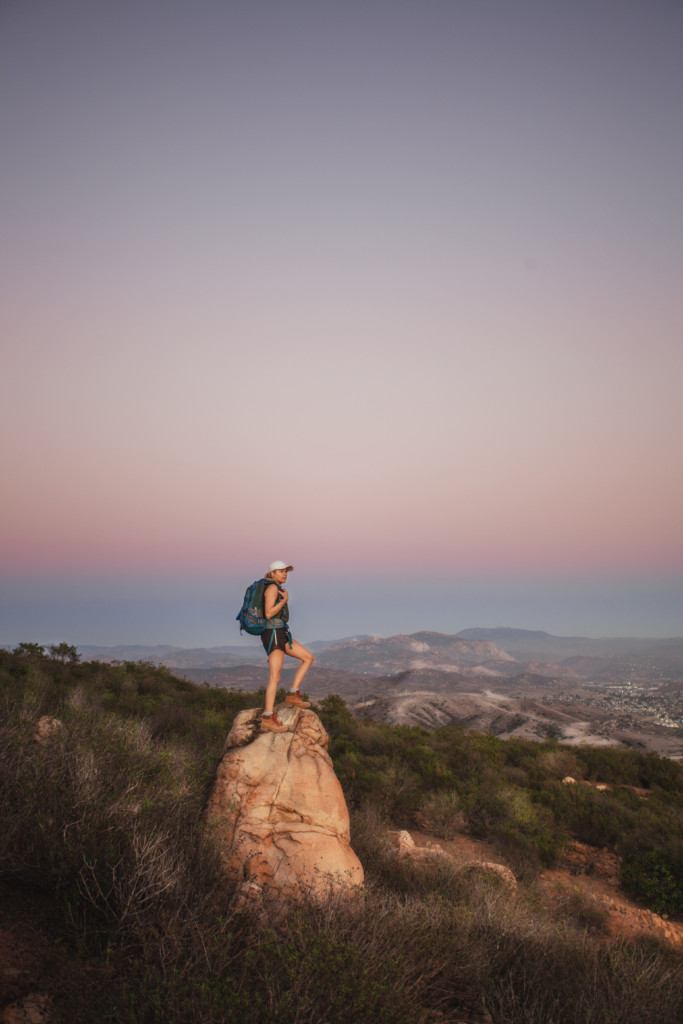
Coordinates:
[486,653]
[383,656]
[527,642]
[175,657]
[509,682]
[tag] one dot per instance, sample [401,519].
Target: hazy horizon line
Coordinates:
[252,642]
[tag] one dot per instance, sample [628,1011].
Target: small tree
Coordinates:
[26,650]
[65,653]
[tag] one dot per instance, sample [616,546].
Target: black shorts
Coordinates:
[272,638]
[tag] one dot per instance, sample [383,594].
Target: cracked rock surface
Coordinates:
[279,811]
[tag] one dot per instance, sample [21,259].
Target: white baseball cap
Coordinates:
[280,565]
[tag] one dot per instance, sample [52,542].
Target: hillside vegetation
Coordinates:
[105,818]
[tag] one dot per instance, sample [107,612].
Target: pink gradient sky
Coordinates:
[381,287]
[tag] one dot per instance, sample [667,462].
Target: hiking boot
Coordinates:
[271,723]
[294,700]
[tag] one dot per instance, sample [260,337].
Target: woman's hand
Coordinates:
[275,599]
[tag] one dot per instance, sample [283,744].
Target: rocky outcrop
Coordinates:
[406,848]
[279,812]
[47,728]
[490,867]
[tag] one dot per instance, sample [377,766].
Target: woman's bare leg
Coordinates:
[275,659]
[297,650]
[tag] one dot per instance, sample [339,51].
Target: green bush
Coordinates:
[655,877]
[442,813]
[509,791]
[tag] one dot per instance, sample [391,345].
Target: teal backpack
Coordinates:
[251,616]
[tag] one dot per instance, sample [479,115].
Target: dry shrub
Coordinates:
[443,814]
[396,957]
[560,763]
[107,820]
[518,852]
[577,909]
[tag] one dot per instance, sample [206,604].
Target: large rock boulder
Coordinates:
[279,811]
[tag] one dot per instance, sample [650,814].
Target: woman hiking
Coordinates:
[277,641]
